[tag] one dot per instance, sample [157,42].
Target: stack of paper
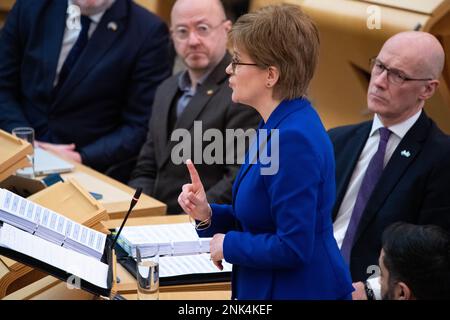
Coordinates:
[49,225]
[171,266]
[80,265]
[167,239]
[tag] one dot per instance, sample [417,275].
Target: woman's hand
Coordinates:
[216,249]
[192,198]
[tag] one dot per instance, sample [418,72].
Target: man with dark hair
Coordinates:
[415,262]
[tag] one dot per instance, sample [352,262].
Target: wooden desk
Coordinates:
[127,283]
[50,288]
[116,195]
[116,200]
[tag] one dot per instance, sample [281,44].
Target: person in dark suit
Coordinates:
[193,102]
[415,262]
[396,167]
[83,74]
[277,232]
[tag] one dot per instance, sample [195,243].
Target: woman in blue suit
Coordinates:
[278,232]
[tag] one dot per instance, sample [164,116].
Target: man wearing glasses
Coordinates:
[396,167]
[200,94]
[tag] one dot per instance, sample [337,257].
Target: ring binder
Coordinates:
[64,275]
[100,277]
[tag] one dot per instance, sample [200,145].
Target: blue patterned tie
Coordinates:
[75,52]
[371,177]
[184,101]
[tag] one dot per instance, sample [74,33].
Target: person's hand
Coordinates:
[192,198]
[64,150]
[360,292]
[216,249]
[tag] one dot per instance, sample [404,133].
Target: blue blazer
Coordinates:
[105,103]
[279,234]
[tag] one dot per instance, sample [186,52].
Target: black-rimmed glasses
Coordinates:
[394,76]
[235,63]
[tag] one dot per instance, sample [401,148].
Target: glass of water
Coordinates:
[147,269]
[27,134]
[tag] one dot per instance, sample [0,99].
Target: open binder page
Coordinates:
[80,265]
[49,225]
[190,264]
[171,239]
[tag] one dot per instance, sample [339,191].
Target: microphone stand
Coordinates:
[132,204]
[135,199]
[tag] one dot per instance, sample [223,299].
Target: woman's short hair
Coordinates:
[282,36]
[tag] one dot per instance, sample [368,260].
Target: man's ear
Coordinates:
[429,90]
[228,24]
[402,291]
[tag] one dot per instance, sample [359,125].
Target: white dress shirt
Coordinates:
[348,202]
[71,36]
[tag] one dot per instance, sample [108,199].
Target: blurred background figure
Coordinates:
[83,74]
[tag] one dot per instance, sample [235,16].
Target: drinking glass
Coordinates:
[27,134]
[147,269]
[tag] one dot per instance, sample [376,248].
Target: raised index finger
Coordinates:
[195,178]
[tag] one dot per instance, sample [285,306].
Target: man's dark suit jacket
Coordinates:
[105,103]
[414,189]
[156,173]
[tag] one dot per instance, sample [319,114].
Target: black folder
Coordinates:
[62,274]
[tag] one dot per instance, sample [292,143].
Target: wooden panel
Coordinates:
[140,221]
[13,150]
[161,7]
[50,288]
[5,5]
[3,268]
[7,172]
[72,201]
[189,295]
[420,6]
[116,196]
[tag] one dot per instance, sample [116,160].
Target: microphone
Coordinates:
[135,199]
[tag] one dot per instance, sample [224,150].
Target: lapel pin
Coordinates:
[209,92]
[405,153]
[112,26]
